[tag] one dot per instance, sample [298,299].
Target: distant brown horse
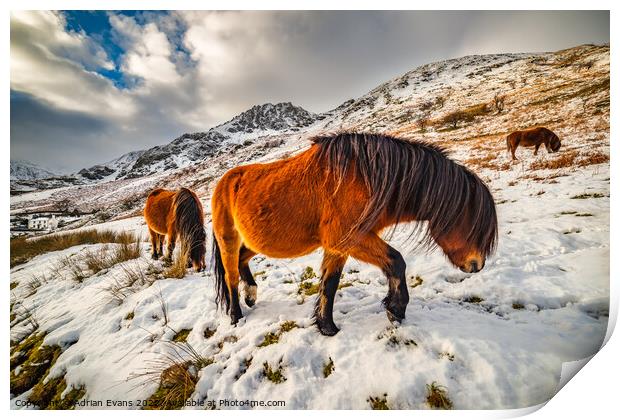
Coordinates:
[172,214]
[533,137]
[340,194]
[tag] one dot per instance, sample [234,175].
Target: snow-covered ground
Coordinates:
[552,264]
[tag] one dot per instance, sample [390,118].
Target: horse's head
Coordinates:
[470,238]
[554,144]
[462,254]
[198,250]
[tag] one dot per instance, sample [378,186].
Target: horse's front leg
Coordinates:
[331,269]
[374,250]
[536,149]
[249,285]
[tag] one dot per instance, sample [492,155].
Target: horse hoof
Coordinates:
[250,295]
[328,328]
[154,256]
[395,318]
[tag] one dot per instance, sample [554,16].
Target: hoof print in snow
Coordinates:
[208,333]
[228,339]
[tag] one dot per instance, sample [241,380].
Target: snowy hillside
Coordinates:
[494,339]
[24,170]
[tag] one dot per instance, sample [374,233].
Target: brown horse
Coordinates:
[172,214]
[533,137]
[340,194]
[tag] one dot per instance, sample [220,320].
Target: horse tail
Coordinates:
[222,297]
[188,218]
[508,144]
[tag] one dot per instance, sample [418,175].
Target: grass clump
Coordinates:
[565,160]
[274,375]
[584,215]
[274,337]
[417,281]
[34,360]
[102,259]
[48,395]
[437,397]
[328,368]
[177,384]
[23,249]
[378,403]
[308,274]
[473,299]
[181,336]
[130,280]
[308,288]
[176,374]
[594,158]
[518,306]
[130,316]
[178,268]
[13,285]
[587,195]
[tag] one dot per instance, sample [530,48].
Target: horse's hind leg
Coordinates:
[154,241]
[160,240]
[374,250]
[249,285]
[331,269]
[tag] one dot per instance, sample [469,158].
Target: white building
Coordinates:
[43,223]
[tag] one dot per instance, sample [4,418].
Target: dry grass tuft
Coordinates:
[565,160]
[176,373]
[593,158]
[23,249]
[378,403]
[437,397]
[102,259]
[178,268]
[131,279]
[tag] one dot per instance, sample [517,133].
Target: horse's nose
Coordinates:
[473,266]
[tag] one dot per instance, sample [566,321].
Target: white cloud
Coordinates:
[148,52]
[57,66]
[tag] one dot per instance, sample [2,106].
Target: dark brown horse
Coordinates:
[533,137]
[172,214]
[340,194]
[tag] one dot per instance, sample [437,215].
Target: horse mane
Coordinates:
[189,220]
[411,177]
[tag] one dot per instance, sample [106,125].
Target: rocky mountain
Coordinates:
[260,121]
[24,170]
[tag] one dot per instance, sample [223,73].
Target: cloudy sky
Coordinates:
[87,87]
